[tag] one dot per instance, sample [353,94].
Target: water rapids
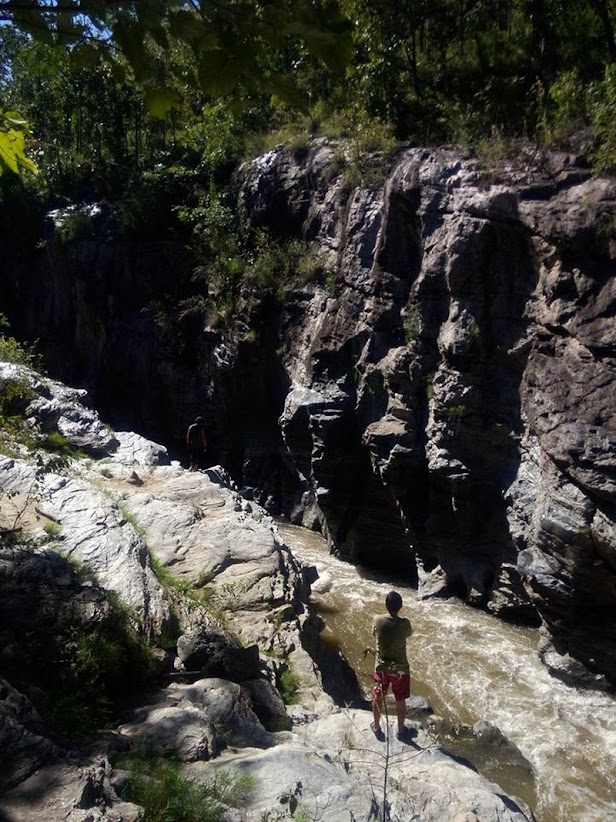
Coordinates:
[471,667]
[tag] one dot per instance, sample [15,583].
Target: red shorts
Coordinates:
[400,684]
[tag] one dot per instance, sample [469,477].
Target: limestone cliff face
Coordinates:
[441,401]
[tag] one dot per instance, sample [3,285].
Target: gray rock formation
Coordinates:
[198,721]
[334,768]
[57,408]
[451,410]
[439,399]
[68,792]
[24,747]
[119,516]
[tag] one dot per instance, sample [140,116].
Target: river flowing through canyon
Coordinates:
[474,667]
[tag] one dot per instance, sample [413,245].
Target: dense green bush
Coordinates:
[278,264]
[15,393]
[75,225]
[566,108]
[230,258]
[56,443]
[95,671]
[603,117]
[14,398]
[148,205]
[287,683]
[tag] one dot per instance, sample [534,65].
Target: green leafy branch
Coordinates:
[232,45]
[13,133]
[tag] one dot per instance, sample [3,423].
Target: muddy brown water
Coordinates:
[473,667]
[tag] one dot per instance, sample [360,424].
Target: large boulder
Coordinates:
[334,767]
[195,722]
[58,408]
[218,654]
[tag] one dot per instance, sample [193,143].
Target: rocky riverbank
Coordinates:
[115,540]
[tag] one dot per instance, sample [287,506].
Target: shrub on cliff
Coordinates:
[603,115]
[13,351]
[232,259]
[15,392]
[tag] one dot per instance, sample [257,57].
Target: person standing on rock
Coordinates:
[197,443]
[391,666]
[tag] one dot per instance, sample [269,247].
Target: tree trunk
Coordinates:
[603,13]
[542,46]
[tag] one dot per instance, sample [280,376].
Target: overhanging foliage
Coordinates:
[232,46]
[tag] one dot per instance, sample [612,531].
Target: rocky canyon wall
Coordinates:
[440,400]
[453,398]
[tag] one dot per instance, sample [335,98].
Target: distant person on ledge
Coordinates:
[197,443]
[391,665]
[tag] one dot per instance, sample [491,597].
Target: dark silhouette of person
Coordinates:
[196,442]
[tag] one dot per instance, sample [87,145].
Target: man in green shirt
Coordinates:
[391,667]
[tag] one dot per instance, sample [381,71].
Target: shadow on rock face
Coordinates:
[218,654]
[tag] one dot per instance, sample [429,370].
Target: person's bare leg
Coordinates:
[376,709]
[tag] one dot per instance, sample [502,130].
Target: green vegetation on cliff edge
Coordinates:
[125,90]
[155,115]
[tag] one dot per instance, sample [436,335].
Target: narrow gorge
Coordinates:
[434,392]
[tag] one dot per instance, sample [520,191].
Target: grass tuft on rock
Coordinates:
[288,684]
[158,786]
